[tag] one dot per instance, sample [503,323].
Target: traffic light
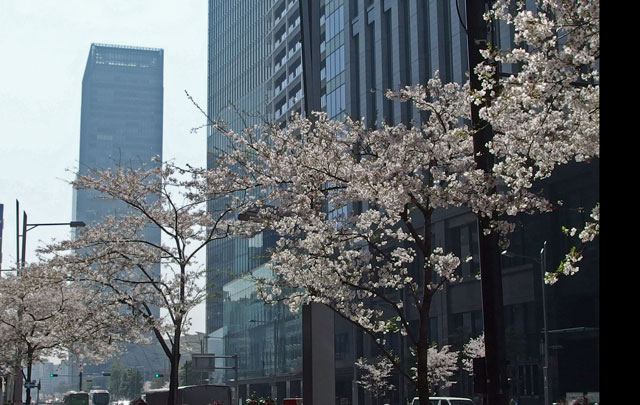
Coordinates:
[53,375]
[158,375]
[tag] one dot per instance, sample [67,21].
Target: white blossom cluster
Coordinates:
[473,349]
[375,375]
[569,264]
[441,365]
[548,112]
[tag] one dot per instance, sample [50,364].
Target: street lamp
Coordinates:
[27,227]
[20,259]
[543,265]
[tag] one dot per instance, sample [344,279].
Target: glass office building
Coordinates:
[121,125]
[255,74]
[368,46]
[237,85]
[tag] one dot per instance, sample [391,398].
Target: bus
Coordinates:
[76,398]
[99,397]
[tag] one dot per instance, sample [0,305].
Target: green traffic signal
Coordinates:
[53,375]
[158,375]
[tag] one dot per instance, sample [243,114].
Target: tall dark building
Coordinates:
[368,46]
[121,119]
[121,125]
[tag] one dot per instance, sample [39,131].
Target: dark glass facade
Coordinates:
[255,73]
[237,86]
[252,328]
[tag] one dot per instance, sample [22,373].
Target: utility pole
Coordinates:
[17,380]
[490,269]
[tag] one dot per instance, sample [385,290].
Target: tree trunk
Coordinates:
[174,361]
[422,381]
[29,367]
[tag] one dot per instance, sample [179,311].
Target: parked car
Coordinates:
[445,401]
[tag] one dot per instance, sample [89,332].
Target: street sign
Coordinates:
[30,384]
[203,362]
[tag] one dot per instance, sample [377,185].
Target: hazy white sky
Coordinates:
[44,46]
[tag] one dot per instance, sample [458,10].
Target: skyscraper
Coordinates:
[121,125]
[121,119]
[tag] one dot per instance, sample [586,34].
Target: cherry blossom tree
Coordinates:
[375,377]
[353,205]
[42,314]
[441,365]
[115,255]
[354,214]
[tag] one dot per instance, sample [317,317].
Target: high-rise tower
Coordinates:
[121,125]
[121,119]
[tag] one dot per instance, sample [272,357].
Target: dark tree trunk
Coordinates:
[172,398]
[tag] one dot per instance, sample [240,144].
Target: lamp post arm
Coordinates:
[73,224]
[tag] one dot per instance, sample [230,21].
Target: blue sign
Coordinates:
[30,384]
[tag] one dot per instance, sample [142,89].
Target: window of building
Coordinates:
[462,240]
[463,326]
[341,345]
[528,383]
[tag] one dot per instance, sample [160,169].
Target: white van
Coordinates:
[444,401]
